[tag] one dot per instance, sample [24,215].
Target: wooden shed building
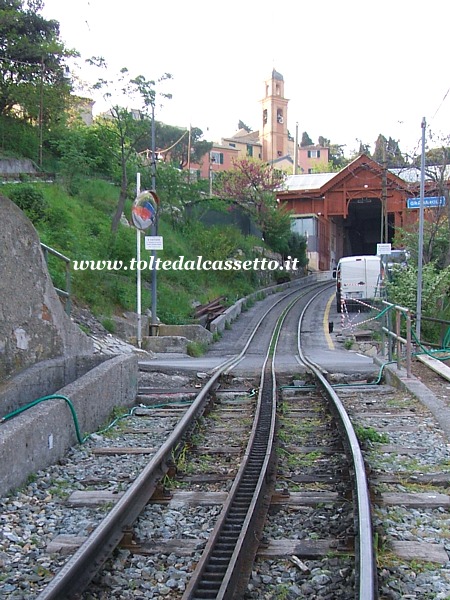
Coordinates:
[349,212]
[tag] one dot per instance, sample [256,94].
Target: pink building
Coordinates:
[220,158]
[312,159]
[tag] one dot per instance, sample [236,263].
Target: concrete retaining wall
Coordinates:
[41,436]
[173,344]
[235,310]
[44,378]
[194,333]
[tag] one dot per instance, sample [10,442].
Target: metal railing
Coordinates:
[62,293]
[391,335]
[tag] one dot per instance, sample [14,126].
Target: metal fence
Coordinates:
[62,293]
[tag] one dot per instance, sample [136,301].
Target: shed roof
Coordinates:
[309,181]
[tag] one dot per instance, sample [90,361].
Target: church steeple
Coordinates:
[274,132]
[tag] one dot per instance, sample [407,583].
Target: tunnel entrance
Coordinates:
[362,227]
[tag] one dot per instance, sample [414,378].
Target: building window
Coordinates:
[216,157]
[265,116]
[249,150]
[279,153]
[306,226]
[231,145]
[280,116]
[313,153]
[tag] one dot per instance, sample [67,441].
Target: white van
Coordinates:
[358,281]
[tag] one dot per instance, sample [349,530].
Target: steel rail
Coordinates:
[366,574]
[225,565]
[85,563]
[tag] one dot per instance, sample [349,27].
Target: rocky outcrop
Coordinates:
[33,324]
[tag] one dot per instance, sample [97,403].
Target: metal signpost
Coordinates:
[143,215]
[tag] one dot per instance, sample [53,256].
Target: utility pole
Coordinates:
[138,273]
[420,248]
[189,155]
[296,150]
[154,229]
[211,161]
[384,213]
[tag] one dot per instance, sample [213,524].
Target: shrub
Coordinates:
[31,200]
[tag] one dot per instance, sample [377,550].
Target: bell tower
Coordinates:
[274,132]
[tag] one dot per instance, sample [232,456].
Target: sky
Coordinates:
[351,69]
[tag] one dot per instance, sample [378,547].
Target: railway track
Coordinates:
[88,559]
[295,482]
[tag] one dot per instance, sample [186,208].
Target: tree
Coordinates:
[402,290]
[174,191]
[363,148]
[173,144]
[242,125]
[388,152]
[31,60]
[324,142]
[277,229]
[306,140]
[436,226]
[75,161]
[129,126]
[251,184]
[337,160]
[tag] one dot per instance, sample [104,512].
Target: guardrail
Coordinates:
[62,293]
[391,335]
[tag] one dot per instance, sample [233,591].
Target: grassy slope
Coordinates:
[79,227]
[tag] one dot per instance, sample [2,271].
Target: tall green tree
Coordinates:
[306,140]
[130,126]
[32,72]
[388,152]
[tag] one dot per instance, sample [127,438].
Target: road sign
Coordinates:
[153,242]
[428,202]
